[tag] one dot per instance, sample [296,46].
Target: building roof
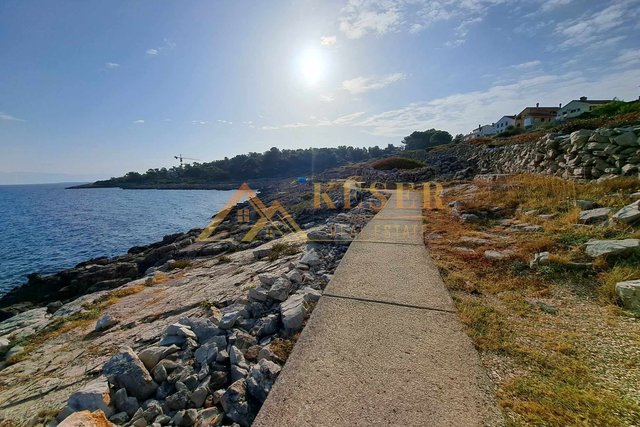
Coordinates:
[591,101]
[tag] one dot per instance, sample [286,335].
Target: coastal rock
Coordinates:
[92,397]
[87,419]
[185,418]
[629,294]
[231,314]
[206,353]
[540,258]
[629,214]
[267,325]
[596,248]
[124,403]
[203,328]
[5,345]
[593,216]
[235,404]
[105,322]
[293,311]
[309,294]
[261,378]
[150,356]
[495,255]
[125,370]
[280,289]
[311,258]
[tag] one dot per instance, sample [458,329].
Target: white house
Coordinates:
[579,106]
[504,123]
[481,131]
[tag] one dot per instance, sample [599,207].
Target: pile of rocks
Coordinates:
[209,371]
[587,154]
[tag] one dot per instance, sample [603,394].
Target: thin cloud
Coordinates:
[328,40]
[111,65]
[166,46]
[366,84]
[9,118]
[139,122]
[199,122]
[526,65]
[629,56]
[226,122]
[327,98]
[601,28]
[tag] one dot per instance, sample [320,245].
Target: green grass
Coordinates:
[396,163]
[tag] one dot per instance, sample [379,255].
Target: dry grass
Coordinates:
[547,334]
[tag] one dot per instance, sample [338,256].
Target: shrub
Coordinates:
[282,249]
[397,163]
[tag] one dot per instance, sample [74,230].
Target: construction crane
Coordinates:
[179,157]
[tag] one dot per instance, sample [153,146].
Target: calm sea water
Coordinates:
[46,228]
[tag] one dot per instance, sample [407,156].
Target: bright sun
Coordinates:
[312,66]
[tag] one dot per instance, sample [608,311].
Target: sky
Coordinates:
[94,89]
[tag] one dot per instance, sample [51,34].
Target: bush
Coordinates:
[510,131]
[396,163]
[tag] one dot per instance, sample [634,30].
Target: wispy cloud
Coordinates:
[327,98]
[328,40]
[361,17]
[366,84]
[139,121]
[225,122]
[598,29]
[629,56]
[167,45]
[111,65]
[549,5]
[199,122]
[526,65]
[9,118]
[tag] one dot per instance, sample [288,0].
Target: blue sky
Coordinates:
[93,89]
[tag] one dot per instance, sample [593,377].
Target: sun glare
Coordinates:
[312,66]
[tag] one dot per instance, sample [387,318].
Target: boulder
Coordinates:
[105,322]
[235,404]
[152,355]
[87,419]
[126,370]
[5,345]
[585,204]
[231,314]
[259,294]
[92,397]
[125,403]
[629,214]
[629,294]
[180,330]
[627,139]
[261,378]
[596,248]
[267,279]
[209,417]
[206,353]
[310,294]
[267,325]
[311,258]
[185,418]
[540,258]
[293,311]
[203,328]
[594,216]
[495,255]
[280,289]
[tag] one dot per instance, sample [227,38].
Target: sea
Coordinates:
[47,228]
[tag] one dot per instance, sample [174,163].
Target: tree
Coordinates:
[459,139]
[421,140]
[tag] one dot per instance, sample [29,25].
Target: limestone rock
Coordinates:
[280,289]
[87,419]
[629,214]
[261,378]
[105,322]
[629,294]
[293,311]
[235,404]
[495,255]
[594,216]
[311,258]
[152,355]
[92,397]
[596,248]
[126,370]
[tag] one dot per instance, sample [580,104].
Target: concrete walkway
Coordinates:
[384,345]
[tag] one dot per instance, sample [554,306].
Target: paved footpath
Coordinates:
[384,345]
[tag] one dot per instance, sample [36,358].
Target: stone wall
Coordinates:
[586,154]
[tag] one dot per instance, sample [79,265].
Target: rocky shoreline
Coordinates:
[195,336]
